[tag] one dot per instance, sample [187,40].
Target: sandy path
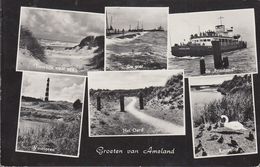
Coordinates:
[164,126]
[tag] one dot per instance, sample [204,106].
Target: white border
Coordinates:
[18,43]
[81,122]
[167,36]
[192,127]
[145,71]
[254,40]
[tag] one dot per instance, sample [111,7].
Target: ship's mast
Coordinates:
[111,22]
[220,19]
[107,22]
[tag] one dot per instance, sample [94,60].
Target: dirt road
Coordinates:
[162,125]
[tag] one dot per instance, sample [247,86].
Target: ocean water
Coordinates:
[53,43]
[240,61]
[58,59]
[146,51]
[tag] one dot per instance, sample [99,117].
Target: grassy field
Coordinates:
[49,127]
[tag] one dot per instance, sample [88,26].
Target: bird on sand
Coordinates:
[220,139]
[250,136]
[236,150]
[199,134]
[234,125]
[233,142]
[202,126]
[216,126]
[204,153]
[213,137]
[209,128]
[198,147]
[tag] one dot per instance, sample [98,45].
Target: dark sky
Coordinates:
[62,25]
[152,17]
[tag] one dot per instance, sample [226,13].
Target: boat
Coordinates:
[201,44]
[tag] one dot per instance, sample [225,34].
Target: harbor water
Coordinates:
[240,61]
[146,51]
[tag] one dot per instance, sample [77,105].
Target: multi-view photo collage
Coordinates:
[134,62]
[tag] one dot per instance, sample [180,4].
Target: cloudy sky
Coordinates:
[184,24]
[129,80]
[62,25]
[210,80]
[152,17]
[64,88]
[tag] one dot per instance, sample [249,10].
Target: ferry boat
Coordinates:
[200,44]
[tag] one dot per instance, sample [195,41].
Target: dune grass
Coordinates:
[29,42]
[238,106]
[58,138]
[49,127]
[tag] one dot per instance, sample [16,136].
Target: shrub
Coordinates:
[237,107]
[77,104]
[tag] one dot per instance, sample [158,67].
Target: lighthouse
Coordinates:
[47,90]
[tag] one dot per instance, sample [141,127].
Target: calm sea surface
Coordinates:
[204,96]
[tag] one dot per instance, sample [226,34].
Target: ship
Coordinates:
[130,33]
[201,44]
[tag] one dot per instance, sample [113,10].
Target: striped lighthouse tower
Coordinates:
[47,90]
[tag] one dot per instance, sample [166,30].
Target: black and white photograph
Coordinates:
[213,42]
[136,103]
[136,38]
[59,41]
[50,114]
[223,116]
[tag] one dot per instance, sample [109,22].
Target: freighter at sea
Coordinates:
[200,44]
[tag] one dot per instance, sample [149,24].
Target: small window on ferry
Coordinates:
[208,40]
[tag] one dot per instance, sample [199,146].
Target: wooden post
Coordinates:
[122,105]
[225,62]
[216,48]
[202,66]
[141,101]
[98,103]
